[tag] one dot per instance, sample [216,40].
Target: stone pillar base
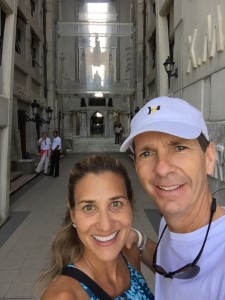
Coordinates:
[27,166]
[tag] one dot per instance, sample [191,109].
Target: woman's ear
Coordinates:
[68,205]
[71,212]
[210,158]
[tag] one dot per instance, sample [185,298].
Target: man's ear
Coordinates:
[210,158]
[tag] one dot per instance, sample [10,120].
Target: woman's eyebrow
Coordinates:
[110,199]
[118,197]
[86,201]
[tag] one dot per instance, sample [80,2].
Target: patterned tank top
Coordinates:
[138,289]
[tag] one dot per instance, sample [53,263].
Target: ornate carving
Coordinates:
[213,41]
[218,172]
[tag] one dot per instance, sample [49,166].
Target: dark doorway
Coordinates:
[22,129]
[97,124]
[97,102]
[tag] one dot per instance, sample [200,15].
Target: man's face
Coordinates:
[173,171]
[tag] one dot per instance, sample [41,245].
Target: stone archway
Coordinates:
[97,124]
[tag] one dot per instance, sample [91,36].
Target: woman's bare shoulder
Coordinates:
[133,257]
[64,288]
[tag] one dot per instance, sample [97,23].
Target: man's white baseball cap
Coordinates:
[168,115]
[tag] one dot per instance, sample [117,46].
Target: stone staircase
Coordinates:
[95,144]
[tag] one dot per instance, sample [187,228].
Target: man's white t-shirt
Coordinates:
[56,142]
[176,250]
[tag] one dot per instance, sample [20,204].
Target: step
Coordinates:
[94,145]
[15,175]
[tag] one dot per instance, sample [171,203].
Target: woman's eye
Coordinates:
[88,207]
[116,204]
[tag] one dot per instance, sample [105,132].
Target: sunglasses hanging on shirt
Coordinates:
[190,270]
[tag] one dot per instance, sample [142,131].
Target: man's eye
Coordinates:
[145,154]
[181,148]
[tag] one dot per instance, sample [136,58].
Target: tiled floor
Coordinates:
[36,211]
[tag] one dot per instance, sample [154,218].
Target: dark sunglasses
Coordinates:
[190,270]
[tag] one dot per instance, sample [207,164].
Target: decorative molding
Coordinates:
[25,94]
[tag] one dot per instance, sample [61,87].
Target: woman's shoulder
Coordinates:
[133,257]
[64,288]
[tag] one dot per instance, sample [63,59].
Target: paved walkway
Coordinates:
[36,211]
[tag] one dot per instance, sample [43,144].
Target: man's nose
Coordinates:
[164,165]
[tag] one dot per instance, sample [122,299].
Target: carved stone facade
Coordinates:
[95,66]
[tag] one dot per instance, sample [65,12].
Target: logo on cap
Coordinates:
[153,109]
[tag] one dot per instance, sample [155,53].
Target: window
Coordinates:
[32,7]
[97,102]
[34,50]
[153,9]
[20,33]
[18,41]
[2,27]
[153,50]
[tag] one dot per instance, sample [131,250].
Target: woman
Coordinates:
[45,150]
[93,235]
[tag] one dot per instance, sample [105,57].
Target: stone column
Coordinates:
[110,124]
[104,114]
[83,124]
[89,114]
[67,124]
[6,107]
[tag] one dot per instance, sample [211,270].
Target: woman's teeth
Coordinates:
[105,238]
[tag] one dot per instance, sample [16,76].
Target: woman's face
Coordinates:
[102,214]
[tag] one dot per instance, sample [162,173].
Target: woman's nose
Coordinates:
[105,220]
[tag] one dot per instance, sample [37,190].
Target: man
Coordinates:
[118,133]
[173,157]
[45,145]
[56,152]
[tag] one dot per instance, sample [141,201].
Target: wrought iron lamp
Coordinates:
[136,110]
[49,114]
[36,118]
[130,115]
[169,66]
[35,108]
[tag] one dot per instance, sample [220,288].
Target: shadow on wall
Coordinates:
[154,217]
